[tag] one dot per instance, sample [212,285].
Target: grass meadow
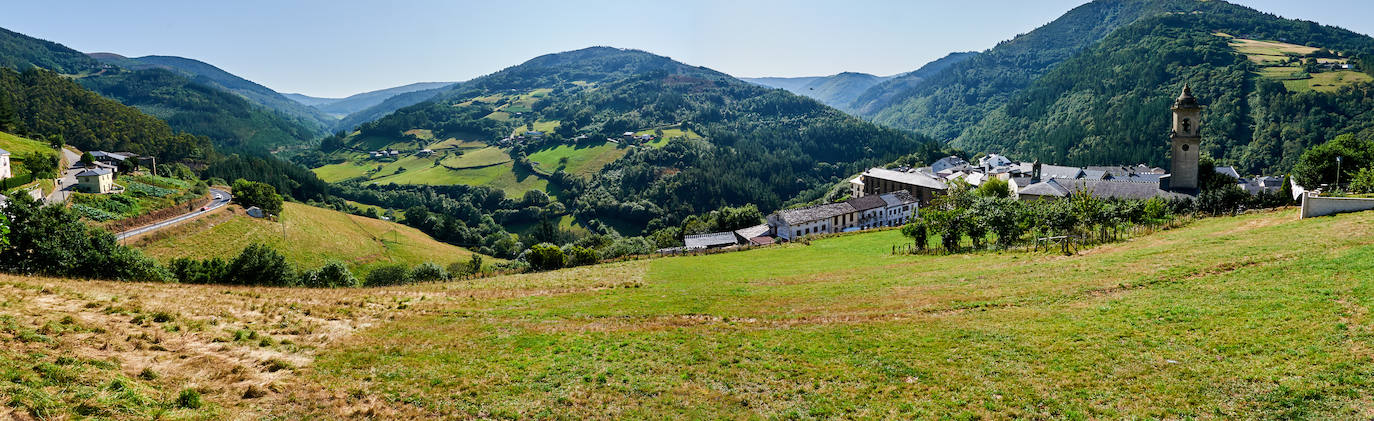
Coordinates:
[1257,316]
[312,237]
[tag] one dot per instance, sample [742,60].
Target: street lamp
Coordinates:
[1338,172]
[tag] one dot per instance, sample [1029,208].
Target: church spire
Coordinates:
[1186,99]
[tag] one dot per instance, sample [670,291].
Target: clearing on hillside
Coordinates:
[313,237]
[1285,62]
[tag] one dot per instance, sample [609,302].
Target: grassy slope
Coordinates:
[314,236]
[1214,320]
[19,146]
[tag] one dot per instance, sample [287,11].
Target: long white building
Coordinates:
[868,212]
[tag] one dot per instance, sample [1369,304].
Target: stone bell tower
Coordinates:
[1186,137]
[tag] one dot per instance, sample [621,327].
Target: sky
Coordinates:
[341,47]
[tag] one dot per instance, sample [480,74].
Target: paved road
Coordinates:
[67,182]
[214,204]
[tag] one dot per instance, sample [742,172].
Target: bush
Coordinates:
[52,240]
[331,275]
[259,264]
[393,274]
[428,272]
[545,256]
[579,256]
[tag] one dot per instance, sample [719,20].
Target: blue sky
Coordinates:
[337,48]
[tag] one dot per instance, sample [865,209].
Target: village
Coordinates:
[892,197]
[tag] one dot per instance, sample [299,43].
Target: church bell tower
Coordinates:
[1186,137]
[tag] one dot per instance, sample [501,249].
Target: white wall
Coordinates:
[5,167]
[1314,206]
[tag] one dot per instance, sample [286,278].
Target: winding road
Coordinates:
[223,199]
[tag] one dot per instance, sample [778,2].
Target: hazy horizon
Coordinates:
[337,49]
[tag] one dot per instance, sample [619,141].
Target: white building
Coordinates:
[5,171]
[863,213]
[98,180]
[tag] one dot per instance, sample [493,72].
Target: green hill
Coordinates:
[837,91]
[204,110]
[312,237]
[748,144]
[1089,87]
[206,74]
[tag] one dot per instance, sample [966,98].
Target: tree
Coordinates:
[262,195]
[580,256]
[1317,165]
[545,256]
[994,187]
[917,232]
[87,159]
[259,264]
[1363,182]
[4,232]
[40,164]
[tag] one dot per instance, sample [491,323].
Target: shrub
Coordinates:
[262,195]
[579,256]
[545,256]
[428,272]
[190,271]
[259,264]
[331,275]
[393,274]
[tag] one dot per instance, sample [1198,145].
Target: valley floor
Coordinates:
[1258,316]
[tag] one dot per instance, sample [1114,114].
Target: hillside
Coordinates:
[704,124]
[229,120]
[837,91]
[209,75]
[1244,327]
[1089,87]
[387,106]
[40,103]
[1105,104]
[313,236]
[341,107]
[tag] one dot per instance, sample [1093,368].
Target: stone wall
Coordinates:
[1314,206]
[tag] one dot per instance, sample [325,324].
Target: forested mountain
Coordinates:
[1094,86]
[209,75]
[340,107]
[1108,103]
[755,145]
[227,119]
[389,105]
[837,91]
[883,92]
[41,104]
[949,101]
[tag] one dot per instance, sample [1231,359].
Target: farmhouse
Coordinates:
[96,180]
[5,171]
[862,213]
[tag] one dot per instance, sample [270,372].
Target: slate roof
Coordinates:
[754,231]
[898,198]
[1110,189]
[1229,172]
[815,213]
[761,241]
[1094,175]
[867,202]
[1045,189]
[913,178]
[95,172]
[4,152]
[715,239]
[1058,171]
